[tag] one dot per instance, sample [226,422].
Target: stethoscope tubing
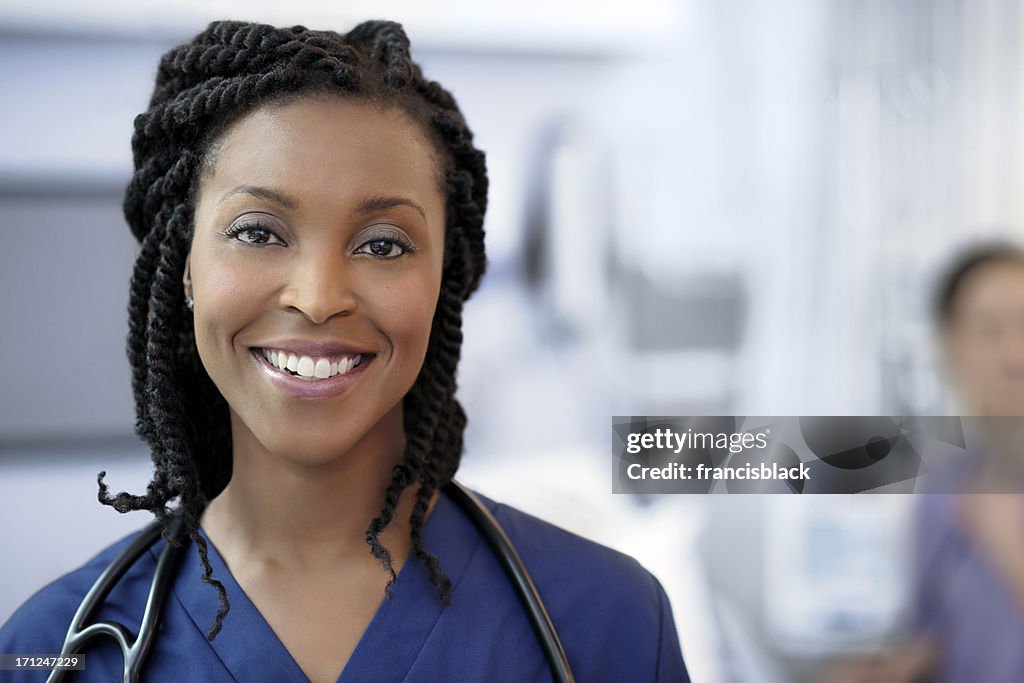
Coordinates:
[136,649]
[516,570]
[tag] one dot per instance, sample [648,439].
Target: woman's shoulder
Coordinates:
[566,551]
[40,624]
[584,573]
[613,615]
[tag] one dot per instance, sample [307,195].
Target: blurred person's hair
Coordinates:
[965,262]
[201,88]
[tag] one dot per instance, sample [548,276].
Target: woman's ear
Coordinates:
[186,278]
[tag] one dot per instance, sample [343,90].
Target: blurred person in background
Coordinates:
[979,313]
[967,619]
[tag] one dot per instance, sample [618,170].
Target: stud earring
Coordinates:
[190,302]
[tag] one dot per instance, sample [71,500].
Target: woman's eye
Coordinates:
[385,247]
[253,234]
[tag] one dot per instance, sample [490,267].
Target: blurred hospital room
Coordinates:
[697,207]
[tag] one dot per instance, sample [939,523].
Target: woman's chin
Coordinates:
[309,452]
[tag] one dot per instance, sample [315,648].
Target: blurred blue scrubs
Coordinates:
[963,601]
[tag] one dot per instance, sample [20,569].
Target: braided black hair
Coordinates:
[202,86]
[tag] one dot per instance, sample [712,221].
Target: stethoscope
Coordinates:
[136,648]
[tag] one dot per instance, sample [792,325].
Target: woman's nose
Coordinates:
[320,287]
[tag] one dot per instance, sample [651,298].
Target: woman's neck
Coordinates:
[294,515]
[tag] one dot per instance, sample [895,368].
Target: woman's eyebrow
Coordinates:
[379,203]
[368,205]
[263,193]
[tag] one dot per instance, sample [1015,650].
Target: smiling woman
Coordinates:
[319,240]
[310,213]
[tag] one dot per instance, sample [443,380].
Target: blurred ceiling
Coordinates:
[573,25]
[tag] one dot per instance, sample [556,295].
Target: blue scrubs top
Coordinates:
[962,599]
[612,616]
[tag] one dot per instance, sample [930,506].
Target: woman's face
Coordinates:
[985,339]
[315,268]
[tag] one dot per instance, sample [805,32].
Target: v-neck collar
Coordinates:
[251,651]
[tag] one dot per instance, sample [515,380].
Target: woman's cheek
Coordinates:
[227,298]
[407,314]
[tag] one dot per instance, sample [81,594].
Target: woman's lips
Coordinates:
[303,387]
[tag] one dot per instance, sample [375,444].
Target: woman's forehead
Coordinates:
[991,287]
[327,147]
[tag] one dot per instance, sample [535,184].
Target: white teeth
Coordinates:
[306,366]
[310,368]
